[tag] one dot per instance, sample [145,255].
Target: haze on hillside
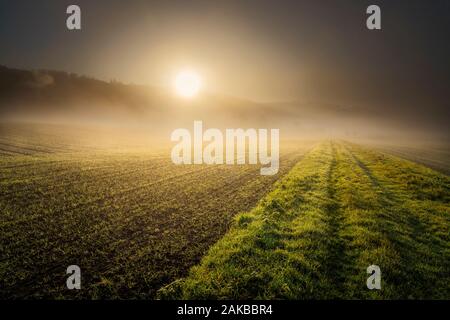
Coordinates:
[312,70]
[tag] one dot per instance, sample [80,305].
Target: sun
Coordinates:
[187,83]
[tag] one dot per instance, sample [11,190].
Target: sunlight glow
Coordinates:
[187,83]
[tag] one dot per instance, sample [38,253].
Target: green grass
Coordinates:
[136,223]
[132,220]
[435,157]
[341,209]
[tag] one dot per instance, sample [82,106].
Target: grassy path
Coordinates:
[341,209]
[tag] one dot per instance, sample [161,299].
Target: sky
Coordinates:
[256,49]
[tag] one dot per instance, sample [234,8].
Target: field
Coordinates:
[141,227]
[435,157]
[131,219]
[341,209]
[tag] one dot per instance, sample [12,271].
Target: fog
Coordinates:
[144,114]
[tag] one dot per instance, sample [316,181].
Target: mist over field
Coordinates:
[146,113]
[355,205]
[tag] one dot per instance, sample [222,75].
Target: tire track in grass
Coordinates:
[337,260]
[368,242]
[277,249]
[407,230]
[314,236]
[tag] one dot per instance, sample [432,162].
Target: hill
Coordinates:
[60,97]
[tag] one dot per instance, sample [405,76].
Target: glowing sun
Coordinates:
[187,83]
